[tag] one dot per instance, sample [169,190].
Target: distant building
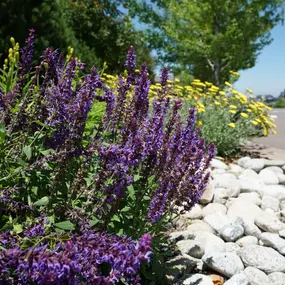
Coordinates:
[282,94]
[267,98]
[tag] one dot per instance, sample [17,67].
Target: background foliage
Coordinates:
[211,37]
[97,30]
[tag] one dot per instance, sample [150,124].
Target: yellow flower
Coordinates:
[228,84]
[265,132]
[254,122]
[232,125]
[199,123]
[222,93]
[199,84]
[249,90]
[217,103]
[234,72]
[137,70]
[232,111]
[244,115]
[233,107]
[177,80]
[274,132]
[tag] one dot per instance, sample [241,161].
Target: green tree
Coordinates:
[97,30]
[209,37]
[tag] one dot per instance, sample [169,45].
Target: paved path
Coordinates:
[273,146]
[278,140]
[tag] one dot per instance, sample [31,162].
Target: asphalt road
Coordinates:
[278,140]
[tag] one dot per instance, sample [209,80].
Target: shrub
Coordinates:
[125,174]
[226,116]
[280,103]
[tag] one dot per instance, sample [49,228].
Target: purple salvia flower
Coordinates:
[77,260]
[27,52]
[131,64]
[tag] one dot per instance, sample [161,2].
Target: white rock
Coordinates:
[270,202]
[268,177]
[217,221]
[276,191]
[273,240]
[218,164]
[247,240]
[243,209]
[226,263]
[250,184]
[248,173]
[281,177]
[232,232]
[255,164]
[256,276]
[268,162]
[242,160]
[198,279]
[199,226]
[263,258]
[213,208]
[268,222]
[251,197]
[282,205]
[275,169]
[250,228]
[220,195]
[193,248]
[194,213]
[208,195]
[282,233]
[238,279]
[231,247]
[216,172]
[234,168]
[227,181]
[209,241]
[183,264]
[281,215]
[180,235]
[276,278]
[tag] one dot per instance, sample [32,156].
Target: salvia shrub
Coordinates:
[105,187]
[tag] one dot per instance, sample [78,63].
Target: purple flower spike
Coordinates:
[27,52]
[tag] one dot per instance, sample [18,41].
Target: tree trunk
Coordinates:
[217,64]
[217,71]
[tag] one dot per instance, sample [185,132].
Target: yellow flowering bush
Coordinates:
[225,115]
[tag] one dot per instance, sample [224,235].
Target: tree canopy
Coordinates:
[208,37]
[97,30]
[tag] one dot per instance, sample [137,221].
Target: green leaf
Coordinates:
[93,222]
[115,218]
[150,179]
[46,152]
[42,202]
[126,209]
[137,177]
[66,225]
[17,228]
[27,151]
[131,191]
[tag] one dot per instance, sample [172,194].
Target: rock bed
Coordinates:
[236,235]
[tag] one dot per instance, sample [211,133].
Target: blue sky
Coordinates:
[268,75]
